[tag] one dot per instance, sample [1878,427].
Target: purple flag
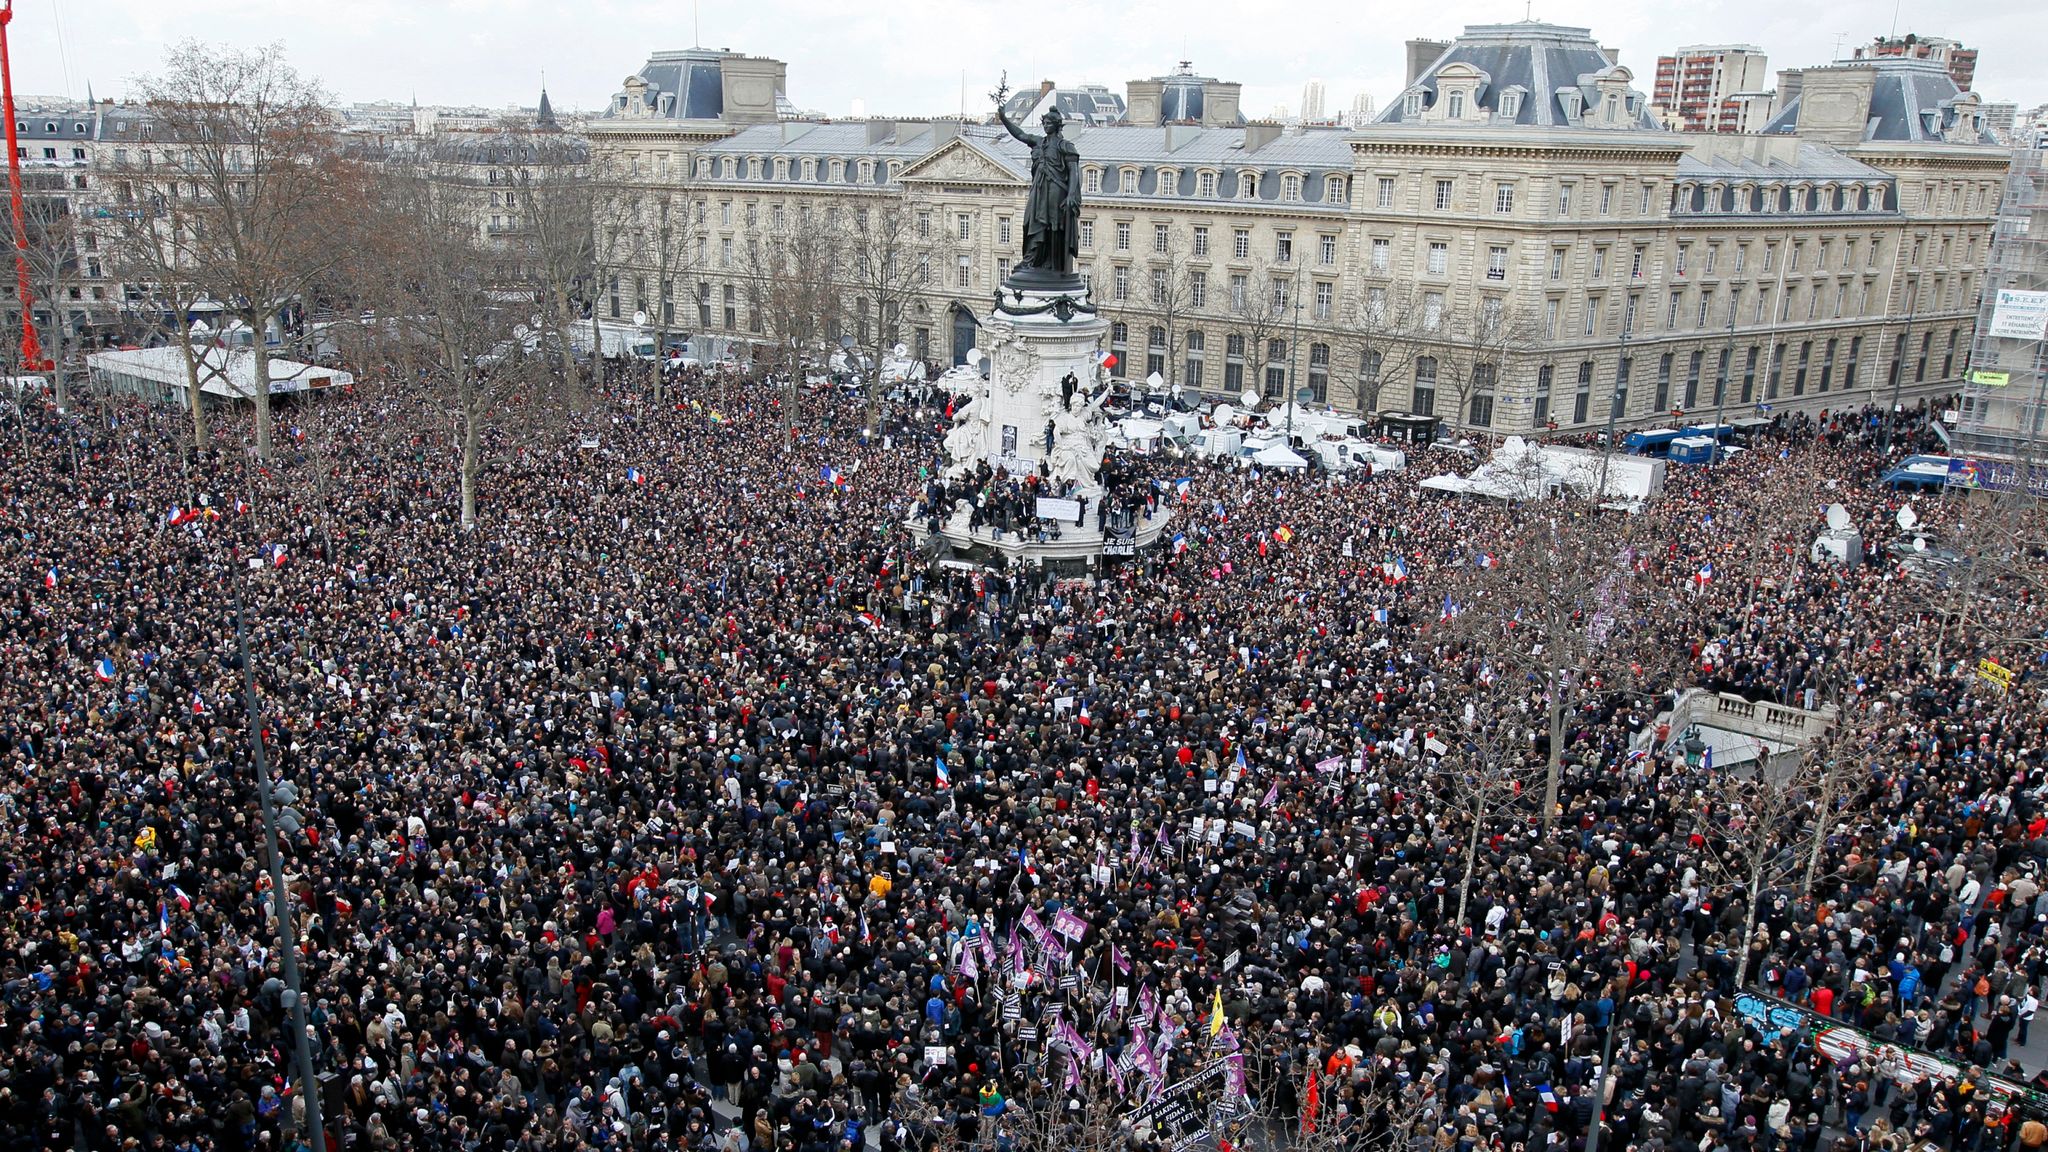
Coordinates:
[1067,924]
[1119,960]
[968,968]
[1272,796]
[1116,1076]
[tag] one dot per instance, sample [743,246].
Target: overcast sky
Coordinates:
[908,57]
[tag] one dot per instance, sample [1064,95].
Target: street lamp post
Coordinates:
[1721,387]
[280,898]
[1614,398]
[1891,414]
[1293,355]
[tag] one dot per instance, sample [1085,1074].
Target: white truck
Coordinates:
[1214,442]
[615,340]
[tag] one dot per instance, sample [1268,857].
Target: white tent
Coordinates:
[224,374]
[1278,456]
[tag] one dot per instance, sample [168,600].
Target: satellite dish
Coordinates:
[1155,380]
[899,351]
[200,328]
[974,357]
[1224,415]
[1908,518]
[639,319]
[1919,543]
[1250,399]
[1838,518]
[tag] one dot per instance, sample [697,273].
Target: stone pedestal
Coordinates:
[1039,412]
[1040,408]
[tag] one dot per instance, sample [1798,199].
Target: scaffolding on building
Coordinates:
[2004,411]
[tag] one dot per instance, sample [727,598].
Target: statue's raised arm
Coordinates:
[1029,138]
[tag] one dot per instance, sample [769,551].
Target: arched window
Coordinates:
[1194,342]
[1155,352]
[1119,344]
[1455,106]
[1319,372]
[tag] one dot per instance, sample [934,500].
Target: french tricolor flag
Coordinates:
[635,476]
[945,777]
[50,577]
[1548,1097]
[103,669]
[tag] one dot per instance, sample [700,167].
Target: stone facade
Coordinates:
[1515,242]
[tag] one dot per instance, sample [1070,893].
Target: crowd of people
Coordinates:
[679,805]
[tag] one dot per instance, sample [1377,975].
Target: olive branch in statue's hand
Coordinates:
[1002,92]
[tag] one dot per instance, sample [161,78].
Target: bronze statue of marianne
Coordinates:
[1052,215]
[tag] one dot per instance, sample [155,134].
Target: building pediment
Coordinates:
[961,161]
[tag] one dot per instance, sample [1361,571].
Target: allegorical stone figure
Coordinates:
[1052,216]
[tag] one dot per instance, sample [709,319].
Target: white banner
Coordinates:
[2020,315]
[1063,511]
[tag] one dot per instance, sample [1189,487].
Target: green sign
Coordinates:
[1990,379]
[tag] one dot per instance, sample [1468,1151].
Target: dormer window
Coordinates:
[1411,105]
[1333,190]
[727,167]
[1169,182]
[1510,105]
[867,171]
[837,173]
[781,168]
[1290,188]
[1574,104]
[1248,185]
[1127,181]
[1454,106]
[1091,181]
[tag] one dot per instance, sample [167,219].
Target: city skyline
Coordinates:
[465,52]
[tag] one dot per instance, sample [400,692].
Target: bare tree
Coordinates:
[1479,347]
[430,281]
[249,148]
[1563,596]
[1757,824]
[794,288]
[1385,327]
[1490,763]
[55,278]
[887,260]
[152,250]
[1261,309]
[645,229]
[555,241]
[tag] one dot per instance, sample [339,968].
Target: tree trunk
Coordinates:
[261,384]
[469,471]
[875,374]
[57,355]
[561,334]
[1748,930]
[1554,772]
[1471,863]
[192,395]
